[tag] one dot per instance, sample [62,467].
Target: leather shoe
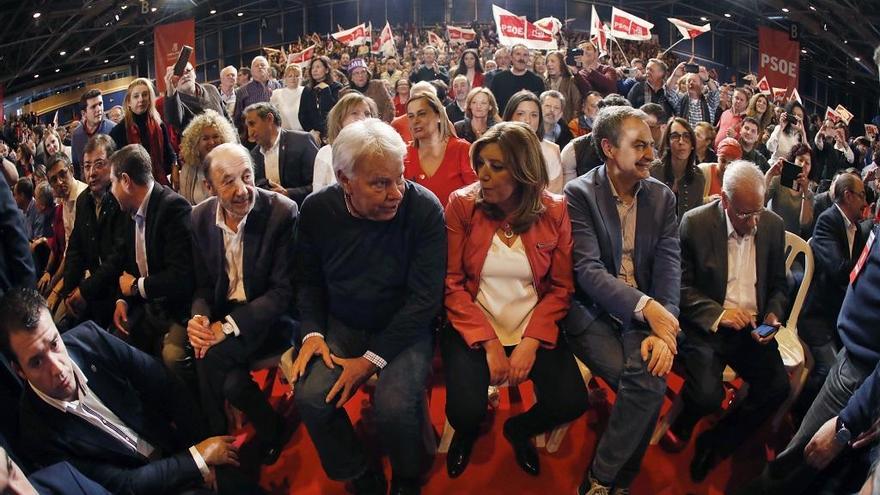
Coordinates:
[525,453]
[370,483]
[459,454]
[401,486]
[705,458]
[672,442]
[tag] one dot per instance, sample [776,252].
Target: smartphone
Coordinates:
[691,68]
[571,57]
[790,172]
[182,59]
[630,71]
[765,330]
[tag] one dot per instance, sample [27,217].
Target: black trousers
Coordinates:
[559,389]
[705,356]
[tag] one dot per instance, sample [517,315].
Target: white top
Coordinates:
[287,101]
[780,143]
[323,174]
[742,275]
[554,166]
[507,292]
[270,159]
[569,163]
[68,211]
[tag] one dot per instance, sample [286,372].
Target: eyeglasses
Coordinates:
[674,136]
[743,215]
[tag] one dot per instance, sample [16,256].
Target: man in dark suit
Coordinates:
[283,160]
[242,247]
[16,262]
[57,479]
[627,269]
[110,410]
[89,284]
[733,279]
[154,266]
[837,241]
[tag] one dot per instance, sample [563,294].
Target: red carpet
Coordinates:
[492,469]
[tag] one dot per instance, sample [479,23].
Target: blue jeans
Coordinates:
[615,355]
[398,407]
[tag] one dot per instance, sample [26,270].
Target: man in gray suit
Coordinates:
[622,322]
[283,160]
[733,279]
[243,244]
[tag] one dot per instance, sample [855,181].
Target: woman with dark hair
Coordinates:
[793,204]
[469,65]
[401,96]
[143,125]
[789,132]
[323,86]
[480,113]
[509,281]
[678,168]
[559,77]
[525,107]
[435,158]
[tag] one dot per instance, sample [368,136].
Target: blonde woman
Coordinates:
[351,108]
[297,104]
[481,113]
[204,133]
[143,125]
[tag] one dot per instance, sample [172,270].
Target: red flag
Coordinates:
[460,35]
[764,86]
[831,115]
[598,34]
[385,41]
[355,36]
[550,24]
[688,30]
[779,94]
[435,40]
[303,57]
[629,27]
[513,29]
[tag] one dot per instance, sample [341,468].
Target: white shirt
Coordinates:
[742,275]
[287,101]
[140,240]
[507,292]
[233,248]
[553,159]
[850,230]
[270,159]
[89,407]
[323,174]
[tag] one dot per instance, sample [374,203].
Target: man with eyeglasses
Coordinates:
[89,286]
[732,282]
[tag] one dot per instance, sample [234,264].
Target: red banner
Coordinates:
[168,40]
[778,58]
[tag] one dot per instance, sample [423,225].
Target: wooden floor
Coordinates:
[492,469]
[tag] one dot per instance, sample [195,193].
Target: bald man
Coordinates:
[256,91]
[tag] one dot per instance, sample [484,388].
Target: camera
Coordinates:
[571,57]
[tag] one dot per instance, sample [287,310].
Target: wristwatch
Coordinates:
[134,287]
[843,435]
[227,328]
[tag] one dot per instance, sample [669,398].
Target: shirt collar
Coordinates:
[846,221]
[731,232]
[274,143]
[142,210]
[614,191]
[63,405]
[220,220]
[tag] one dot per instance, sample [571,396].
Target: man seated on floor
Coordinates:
[89,283]
[112,411]
[732,282]
[243,241]
[370,265]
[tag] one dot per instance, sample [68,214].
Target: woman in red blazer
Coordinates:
[509,280]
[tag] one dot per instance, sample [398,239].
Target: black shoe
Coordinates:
[369,483]
[523,450]
[705,458]
[271,449]
[459,454]
[405,486]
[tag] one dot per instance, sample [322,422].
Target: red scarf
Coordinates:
[155,145]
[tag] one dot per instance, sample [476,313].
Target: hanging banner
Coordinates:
[168,40]
[778,58]
[626,26]
[302,58]
[513,29]
[688,30]
[355,36]
[460,35]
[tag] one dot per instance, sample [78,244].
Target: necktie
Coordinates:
[140,245]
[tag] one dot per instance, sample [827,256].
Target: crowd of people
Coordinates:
[522,211]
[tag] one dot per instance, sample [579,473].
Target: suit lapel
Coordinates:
[719,241]
[282,151]
[216,257]
[156,197]
[608,210]
[644,229]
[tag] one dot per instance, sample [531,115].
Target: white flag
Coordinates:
[688,30]
[629,27]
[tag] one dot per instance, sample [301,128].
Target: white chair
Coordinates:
[550,442]
[795,357]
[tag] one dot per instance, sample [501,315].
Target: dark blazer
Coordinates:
[169,252]
[268,274]
[704,266]
[833,262]
[296,163]
[596,232]
[64,479]
[16,262]
[143,394]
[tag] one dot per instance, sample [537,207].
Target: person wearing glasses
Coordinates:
[677,168]
[732,282]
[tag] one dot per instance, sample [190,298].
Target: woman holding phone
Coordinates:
[793,202]
[789,132]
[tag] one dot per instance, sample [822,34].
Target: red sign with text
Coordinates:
[778,58]
[168,40]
